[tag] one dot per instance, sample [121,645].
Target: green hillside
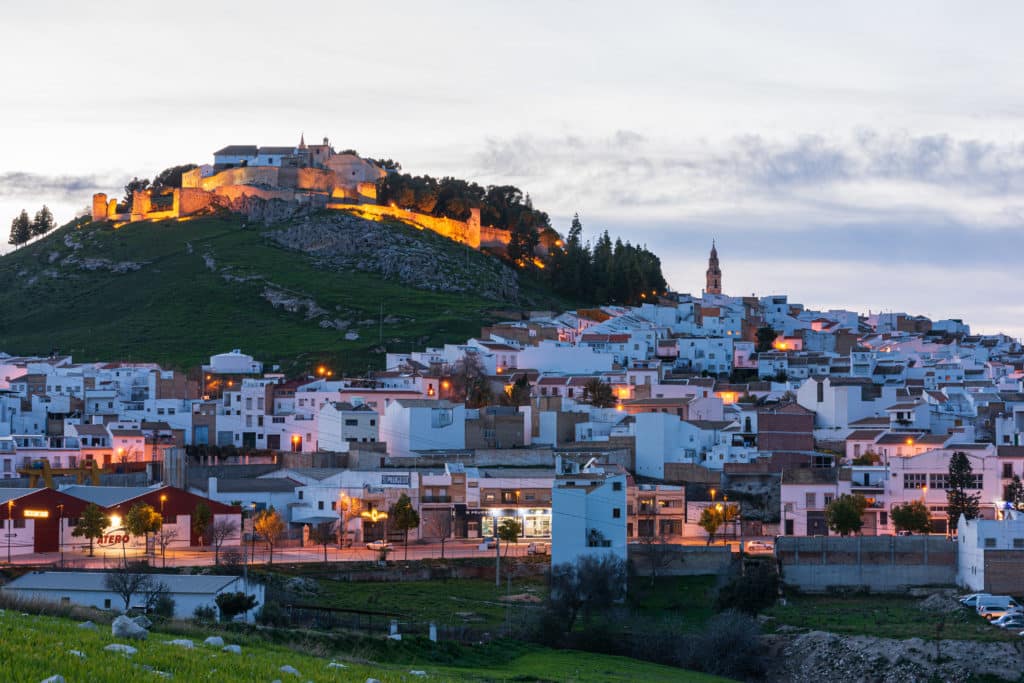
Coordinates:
[176,292]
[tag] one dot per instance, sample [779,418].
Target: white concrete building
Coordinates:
[410,425]
[588,513]
[978,537]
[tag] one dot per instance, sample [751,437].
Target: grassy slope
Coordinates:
[177,311]
[35,647]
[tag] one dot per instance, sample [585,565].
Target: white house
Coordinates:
[588,513]
[410,425]
[88,589]
[982,561]
[341,424]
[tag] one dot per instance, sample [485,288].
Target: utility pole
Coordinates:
[497,555]
[10,528]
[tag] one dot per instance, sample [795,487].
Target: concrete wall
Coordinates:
[884,564]
[685,560]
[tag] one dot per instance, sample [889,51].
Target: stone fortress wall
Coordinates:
[202,189]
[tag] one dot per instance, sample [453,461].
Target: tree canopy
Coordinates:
[92,524]
[912,517]
[403,517]
[843,514]
[21,229]
[959,501]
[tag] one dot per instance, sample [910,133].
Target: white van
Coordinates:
[995,606]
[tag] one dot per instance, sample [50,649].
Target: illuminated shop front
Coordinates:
[534,522]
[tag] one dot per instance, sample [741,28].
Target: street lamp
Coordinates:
[10,528]
[713,492]
[60,532]
[296,442]
[163,499]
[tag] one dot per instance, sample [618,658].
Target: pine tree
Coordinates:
[960,502]
[43,222]
[21,229]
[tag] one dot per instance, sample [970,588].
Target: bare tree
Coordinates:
[164,537]
[127,583]
[656,550]
[220,531]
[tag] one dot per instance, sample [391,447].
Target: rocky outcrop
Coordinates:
[123,627]
[421,260]
[820,656]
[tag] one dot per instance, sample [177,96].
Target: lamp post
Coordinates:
[60,532]
[252,534]
[10,528]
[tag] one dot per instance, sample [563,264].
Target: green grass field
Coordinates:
[473,602]
[177,311]
[883,616]
[35,647]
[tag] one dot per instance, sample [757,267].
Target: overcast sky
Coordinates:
[859,155]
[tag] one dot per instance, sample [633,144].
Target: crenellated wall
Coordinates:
[199,192]
[465,232]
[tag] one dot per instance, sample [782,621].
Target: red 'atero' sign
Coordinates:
[114,538]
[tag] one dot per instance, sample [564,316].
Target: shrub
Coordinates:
[751,593]
[729,646]
[163,606]
[204,614]
[233,604]
[272,614]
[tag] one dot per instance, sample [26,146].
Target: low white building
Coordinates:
[990,553]
[88,589]
[588,513]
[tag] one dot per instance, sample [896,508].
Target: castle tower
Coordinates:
[302,141]
[714,274]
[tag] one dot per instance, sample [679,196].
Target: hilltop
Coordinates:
[324,286]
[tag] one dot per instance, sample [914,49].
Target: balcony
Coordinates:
[436,499]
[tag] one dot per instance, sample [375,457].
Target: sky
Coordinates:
[859,155]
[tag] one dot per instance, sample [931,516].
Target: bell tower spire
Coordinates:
[714,274]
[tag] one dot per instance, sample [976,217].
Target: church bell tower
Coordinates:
[714,275]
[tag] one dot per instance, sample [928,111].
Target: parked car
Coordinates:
[488,543]
[760,547]
[378,545]
[995,606]
[1010,620]
[972,599]
[538,549]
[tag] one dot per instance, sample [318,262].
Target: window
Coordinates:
[1007,470]
[349,422]
[938,481]
[489,497]
[373,423]
[883,518]
[810,499]
[787,507]
[915,481]
[616,486]
[106,603]
[979,481]
[509,497]
[990,543]
[828,499]
[616,513]
[1018,543]
[319,505]
[301,493]
[19,524]
[334,505]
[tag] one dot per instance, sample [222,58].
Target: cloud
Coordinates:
[76,188]
[802,180]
